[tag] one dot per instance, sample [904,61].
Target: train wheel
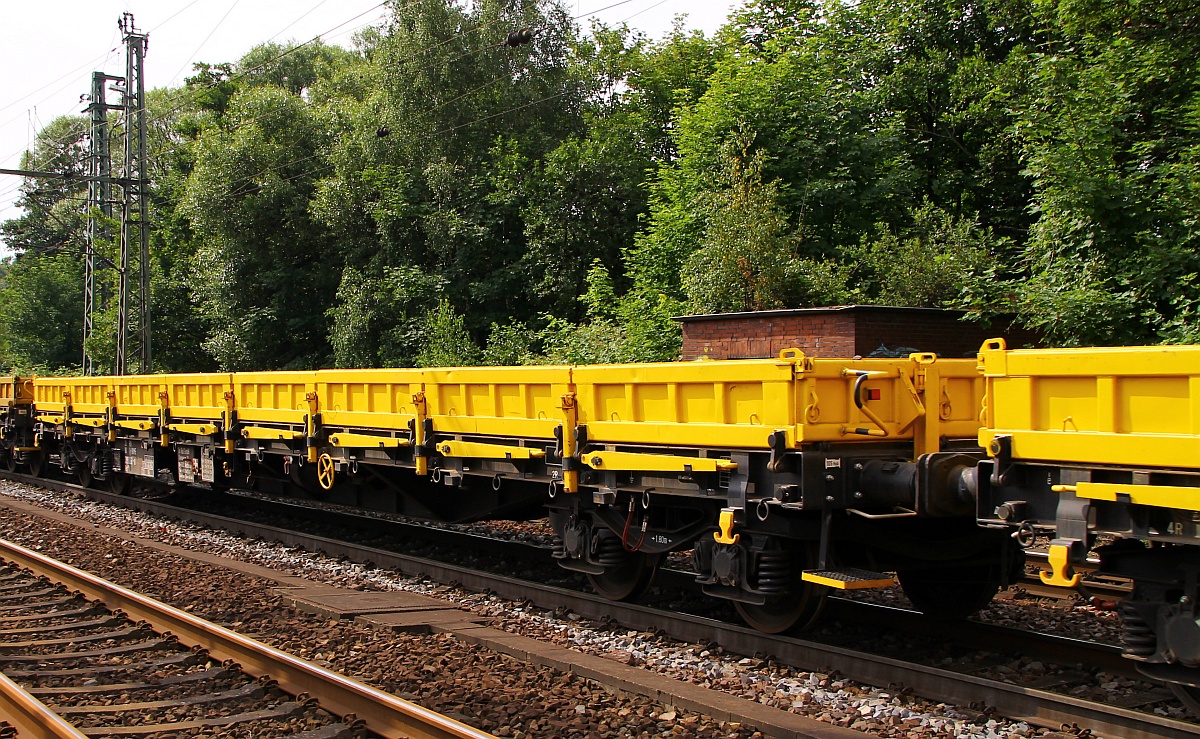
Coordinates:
[795,611]
[951,593]
[84,473]
[119,483]
[628,580]
[797,608]
[1188,695]
[37,464]
[10,460]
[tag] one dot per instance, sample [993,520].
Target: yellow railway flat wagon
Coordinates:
[1110,427]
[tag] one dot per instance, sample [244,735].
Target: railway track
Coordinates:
[1041,707]
[98,660]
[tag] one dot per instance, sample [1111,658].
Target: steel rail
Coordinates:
[30,717]
[381,712]
[1039,707]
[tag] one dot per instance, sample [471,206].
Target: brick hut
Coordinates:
[842,331]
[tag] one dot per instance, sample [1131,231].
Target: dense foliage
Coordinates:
[434,196]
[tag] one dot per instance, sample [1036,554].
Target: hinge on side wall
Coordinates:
[777,442]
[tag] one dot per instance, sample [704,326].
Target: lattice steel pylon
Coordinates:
[135,212]
[100,209]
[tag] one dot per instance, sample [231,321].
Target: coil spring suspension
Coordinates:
[106,464]
[558,549]
[774,571]
[1136,636]
[609,551]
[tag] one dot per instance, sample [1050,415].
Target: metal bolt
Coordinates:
[829,498]
[858,495]
[830,478]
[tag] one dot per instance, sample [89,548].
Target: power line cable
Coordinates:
[205,41]
[643,10]
[310,11]
[172,17]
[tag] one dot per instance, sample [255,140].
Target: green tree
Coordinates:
[867,109]
[41,313]
[747,255]
[262,278]
[1108,133]
[381,321]
[445,341]
[927,265]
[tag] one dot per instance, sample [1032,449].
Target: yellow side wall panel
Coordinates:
[1135,406]
[137,395]
[273,397]
[48,395]
[366,398]
[711,404]
[198,396]
[497,401]
[89,395]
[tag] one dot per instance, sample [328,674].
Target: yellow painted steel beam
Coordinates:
[199,429]
[1090,447]
[542,428]
[92,422]
[56,420]
[271,415]
[638,462]
[1159,496]
[264,433]
[135,425]
[478,450]
[367,441]
[89,408]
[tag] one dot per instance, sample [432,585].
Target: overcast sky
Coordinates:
[51,47]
